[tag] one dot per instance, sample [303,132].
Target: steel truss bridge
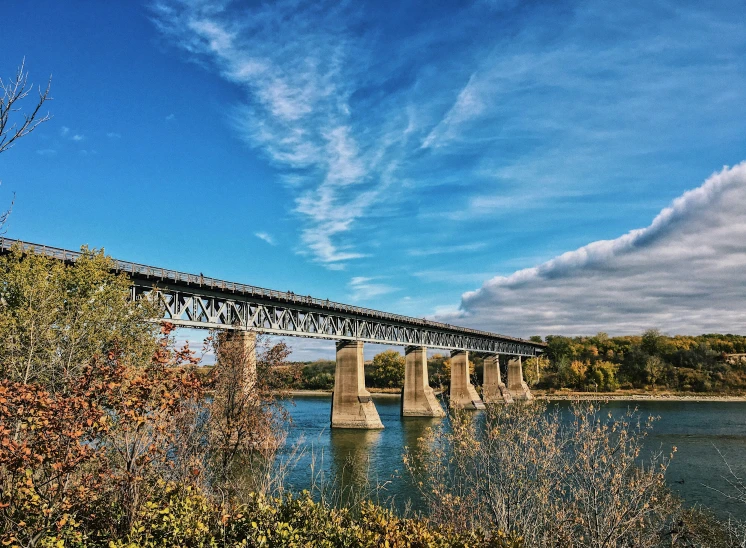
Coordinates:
[197,301]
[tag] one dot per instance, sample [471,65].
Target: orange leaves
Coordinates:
[45,440]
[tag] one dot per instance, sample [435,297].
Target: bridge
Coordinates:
[242,311]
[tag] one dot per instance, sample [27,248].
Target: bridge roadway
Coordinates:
[197,301]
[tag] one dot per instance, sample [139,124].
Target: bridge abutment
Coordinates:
[516,385]
[494,389]
[418,399]
[352,406]
[463,395]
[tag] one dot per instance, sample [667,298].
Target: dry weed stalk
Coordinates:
[528,471]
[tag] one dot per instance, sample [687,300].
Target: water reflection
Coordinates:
[368,458]
[414,428]
[353,462]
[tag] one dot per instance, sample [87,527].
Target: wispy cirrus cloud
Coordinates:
[364,288]
[297,108]
[265,237]
[447,249]
[683,273]
[503,133]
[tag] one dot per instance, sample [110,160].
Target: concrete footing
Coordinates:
[352,406]
[463,395]
[494,389]
[516,385]
[418,399]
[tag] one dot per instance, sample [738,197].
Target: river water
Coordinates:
[706,434]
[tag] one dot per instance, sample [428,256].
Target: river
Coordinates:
[701,431]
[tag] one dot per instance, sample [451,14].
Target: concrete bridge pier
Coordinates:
[494,389]
[352,406]
[463,394]
[516,385]
[418,399]
[238,349]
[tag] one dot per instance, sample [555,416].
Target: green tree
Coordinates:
[654,368]
[439,370]
[533,368]
[55,318]
[559,348]
[387,370]
[651,342]
[602,375]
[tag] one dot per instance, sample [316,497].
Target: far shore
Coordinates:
[327,393]
[638,396]
[566,396]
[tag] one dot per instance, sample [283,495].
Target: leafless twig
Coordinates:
[14,91]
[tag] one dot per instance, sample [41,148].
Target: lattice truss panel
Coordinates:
[200,311]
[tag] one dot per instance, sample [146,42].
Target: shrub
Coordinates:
[523,472]
[185,517]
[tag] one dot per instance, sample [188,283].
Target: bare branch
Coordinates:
[14,91]
[5,214]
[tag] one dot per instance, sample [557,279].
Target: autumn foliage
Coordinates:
[108,437]
[48,447]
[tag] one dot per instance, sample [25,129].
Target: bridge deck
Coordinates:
[200,301]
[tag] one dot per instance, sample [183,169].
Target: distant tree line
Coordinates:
[651,361]
[703,363]
[386,370]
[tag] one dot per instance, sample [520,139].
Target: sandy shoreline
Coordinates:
[569,396]
[639,397]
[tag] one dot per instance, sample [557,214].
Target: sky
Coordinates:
[528,168]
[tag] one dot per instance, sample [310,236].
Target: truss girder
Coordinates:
[210,312]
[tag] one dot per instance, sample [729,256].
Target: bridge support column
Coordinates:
[418,399]
[238,348]
[494,389]
[352,406]
[516,385]
[463,394]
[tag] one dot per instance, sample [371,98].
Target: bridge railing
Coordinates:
[6,244]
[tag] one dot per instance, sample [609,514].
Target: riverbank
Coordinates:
[375,392]
[566,396]
[637,396]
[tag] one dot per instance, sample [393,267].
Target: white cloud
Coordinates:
[364,288]
[67,133]
[381,132]
[447,249]
[114,135]
[298,66]
[266,237]
[684,273]
[469,104]
[170,117]
[46,152]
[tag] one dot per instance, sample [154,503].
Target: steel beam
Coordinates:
[190,300]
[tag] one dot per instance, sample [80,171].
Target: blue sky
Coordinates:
[434,160]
